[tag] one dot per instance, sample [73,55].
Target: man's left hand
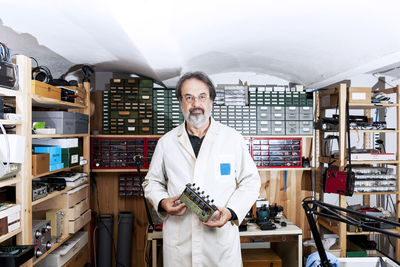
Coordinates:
[220,219]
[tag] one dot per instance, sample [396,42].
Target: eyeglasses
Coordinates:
[190,98]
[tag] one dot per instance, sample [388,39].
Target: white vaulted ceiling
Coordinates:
[314,43]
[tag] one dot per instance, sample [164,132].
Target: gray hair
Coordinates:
[201,76]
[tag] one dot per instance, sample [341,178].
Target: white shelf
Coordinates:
[9,122]
[8,92]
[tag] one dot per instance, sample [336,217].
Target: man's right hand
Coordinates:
[171,206]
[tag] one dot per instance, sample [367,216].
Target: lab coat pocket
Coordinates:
[224,166]
[171,230]
[226,235]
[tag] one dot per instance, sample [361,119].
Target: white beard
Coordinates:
[196,120]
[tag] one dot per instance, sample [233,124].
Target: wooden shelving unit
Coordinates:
[9,235]
[9,122]
[25,101]
[58,135]
[56,171]
[11,181]
[341,161]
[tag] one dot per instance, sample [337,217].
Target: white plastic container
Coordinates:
[366,262]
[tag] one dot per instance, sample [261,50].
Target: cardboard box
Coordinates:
[260,258]
[40,163]
[46,90]
[359,95]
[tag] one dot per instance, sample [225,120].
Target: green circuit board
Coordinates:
[197,203]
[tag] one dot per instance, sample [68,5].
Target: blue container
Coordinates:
[54,151]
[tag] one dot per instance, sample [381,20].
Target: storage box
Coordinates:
[354,250]
[64,122]
[366,262]
[260,258]
[66,251]
[46,90]
[54,151]
[76,195]
[76,225]
[77,210]
[359,95]
[56,166]
[61,142]
[40,163]
[70,156]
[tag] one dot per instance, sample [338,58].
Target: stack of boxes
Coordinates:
[129,186]
[55,159]
[167,111]
[242,118]
[282,113]
[269,112]
[127,107]
[119,153]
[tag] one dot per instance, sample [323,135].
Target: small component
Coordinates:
[197,202]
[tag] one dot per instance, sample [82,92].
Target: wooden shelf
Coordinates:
[41,101]
[118,170]
[374,131]
[371,233]
[325,223]
[342,94]
[9,235]
[8,92]
[125,136]
[336,162]
[361,131]
[363,106]
[354,106]
[359,162]
[59,170]
[50,196]
[284,169]
[374,193]
[387,90]
[9,122]
[58,135]
[279,136]
[10,181]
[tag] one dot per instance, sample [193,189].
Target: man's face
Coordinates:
[196,104]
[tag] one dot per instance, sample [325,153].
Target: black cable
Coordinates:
[108,231]
[37,64]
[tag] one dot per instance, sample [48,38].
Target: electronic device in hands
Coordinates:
[197,202]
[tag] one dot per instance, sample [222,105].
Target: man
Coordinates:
[213,156]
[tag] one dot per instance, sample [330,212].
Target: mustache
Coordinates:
[193,109]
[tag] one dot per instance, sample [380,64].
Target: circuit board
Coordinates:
[197,202]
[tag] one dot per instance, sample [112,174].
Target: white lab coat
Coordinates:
[186,242]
